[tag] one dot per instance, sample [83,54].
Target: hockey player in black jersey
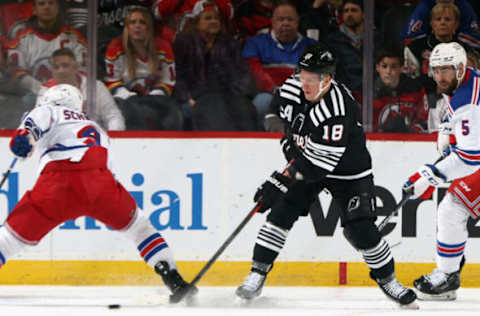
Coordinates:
[326,149]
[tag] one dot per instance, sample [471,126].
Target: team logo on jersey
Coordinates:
[327,56]
[415,26]
[297,124]
[307,56]
[353,204]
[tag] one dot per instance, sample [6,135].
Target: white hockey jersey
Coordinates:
[29,53]
[464,117]
[145,81]
[61,133]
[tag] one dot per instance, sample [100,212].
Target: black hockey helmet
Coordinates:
[319,59]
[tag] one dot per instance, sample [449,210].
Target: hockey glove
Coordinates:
[445,139]
[289,148]
[422,183]
[276,186]
[272,123]
[20,143]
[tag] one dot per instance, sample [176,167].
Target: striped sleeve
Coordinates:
[291,90]
[323,156]
[321,112]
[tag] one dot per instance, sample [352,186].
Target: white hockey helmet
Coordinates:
[62,95]
[449,54]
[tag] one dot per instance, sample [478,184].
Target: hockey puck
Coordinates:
[114,306]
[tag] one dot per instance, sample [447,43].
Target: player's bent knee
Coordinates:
[139,227]
[362,233]
[9,245]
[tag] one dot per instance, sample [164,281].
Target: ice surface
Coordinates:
[212,301]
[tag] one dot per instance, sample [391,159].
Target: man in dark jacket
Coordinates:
[347,44]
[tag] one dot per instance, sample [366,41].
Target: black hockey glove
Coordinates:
[289,148]
[276,186]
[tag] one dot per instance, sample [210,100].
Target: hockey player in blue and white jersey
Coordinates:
[75,180]
[461,166]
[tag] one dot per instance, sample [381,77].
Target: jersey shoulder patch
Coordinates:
[165,49]
[114,49]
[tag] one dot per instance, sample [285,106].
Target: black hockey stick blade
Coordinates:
[182,294]
[6,174]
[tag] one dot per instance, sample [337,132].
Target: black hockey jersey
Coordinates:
[328,134]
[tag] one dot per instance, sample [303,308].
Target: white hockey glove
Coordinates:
[445,139]
[123,93]
[423,182]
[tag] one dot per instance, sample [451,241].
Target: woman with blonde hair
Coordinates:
[140,73]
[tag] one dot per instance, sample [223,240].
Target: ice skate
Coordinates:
[174,281]
[397,292]
[253,285]
[438,286]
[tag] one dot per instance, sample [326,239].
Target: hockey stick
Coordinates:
[226,243]
[180,295]
[6,174]
[177,297]
[387,219]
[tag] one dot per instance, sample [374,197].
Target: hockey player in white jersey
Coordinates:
[461,87]
[75,181]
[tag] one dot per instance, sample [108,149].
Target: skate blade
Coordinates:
[412,305]
[447,296]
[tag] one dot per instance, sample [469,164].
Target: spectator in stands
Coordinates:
[179,11]
[10,99]
[347,43]
[110,23]
[318,18]
[419,23]
[253,17]
[65,70]
[272,57]
[29,52]
[141,75]
[445,20]
[399,102]
[212,78]
[111,17]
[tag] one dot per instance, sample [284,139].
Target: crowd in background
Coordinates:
[216,64]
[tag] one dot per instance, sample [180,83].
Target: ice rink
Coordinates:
[292,301]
